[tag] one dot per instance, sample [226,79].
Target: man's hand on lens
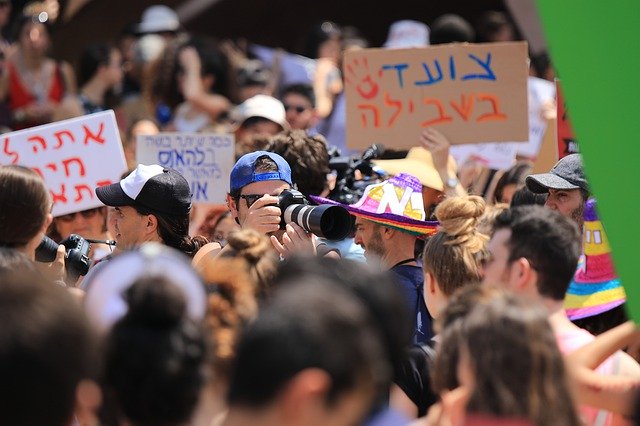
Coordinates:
[263,215]
[296,241]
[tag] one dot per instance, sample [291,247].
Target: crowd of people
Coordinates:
[438,304]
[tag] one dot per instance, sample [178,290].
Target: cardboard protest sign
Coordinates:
[500,156]
[603,95]
[567,143]
[470,92]
[72,156]
[205,160]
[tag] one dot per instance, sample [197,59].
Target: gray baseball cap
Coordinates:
[568,173]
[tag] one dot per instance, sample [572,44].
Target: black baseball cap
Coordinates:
[153,187]
[567,174]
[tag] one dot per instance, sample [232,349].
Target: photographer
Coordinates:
[257,179]
[25,208]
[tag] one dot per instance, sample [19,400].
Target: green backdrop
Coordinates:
[595,48]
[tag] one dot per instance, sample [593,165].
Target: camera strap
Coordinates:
[402,262]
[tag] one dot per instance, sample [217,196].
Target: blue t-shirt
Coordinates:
[411,281]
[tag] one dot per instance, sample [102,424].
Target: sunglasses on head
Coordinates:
[297,108]
[87,214]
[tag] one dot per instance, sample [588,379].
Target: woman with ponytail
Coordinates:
[234,281]
[453,256]
[451,260]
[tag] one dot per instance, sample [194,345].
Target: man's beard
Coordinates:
[375,248]
[577,215]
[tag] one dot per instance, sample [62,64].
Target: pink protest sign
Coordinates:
[72,156]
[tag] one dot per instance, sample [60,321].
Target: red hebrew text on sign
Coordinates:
[471,92]
[72,156]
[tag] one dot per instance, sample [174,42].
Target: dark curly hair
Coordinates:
[308,157]
[155,356]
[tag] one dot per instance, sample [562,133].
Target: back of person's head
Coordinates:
[352,38]
[93,56]
[312,326]
[386,304]
[525,197]
[508,348]
[308,157]
[24,205]
[494,26]
[302,89]
[486,221]
[46,350]
[155,355]
[454,254]
[317,35]
[256,251]
[451,28]
[15,262]
[514,176]
[253,73]
[541,64]
[232,304]
[550,242]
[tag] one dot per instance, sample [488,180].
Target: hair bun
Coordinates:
[250,244]
[155,301]
[458,216]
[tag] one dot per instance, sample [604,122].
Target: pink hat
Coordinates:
[396,202]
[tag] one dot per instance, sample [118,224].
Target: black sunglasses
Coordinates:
[250,198]
[87,214]
[297,108]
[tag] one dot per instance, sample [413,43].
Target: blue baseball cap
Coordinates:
[244,173]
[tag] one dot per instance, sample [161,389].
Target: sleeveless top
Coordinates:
[20,96]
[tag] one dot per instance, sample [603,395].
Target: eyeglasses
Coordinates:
[87,214]
[250,198]
[297,108]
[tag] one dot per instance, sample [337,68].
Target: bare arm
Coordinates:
[402,403]
[438,145]
[193,90]
[615,393]
[326,86]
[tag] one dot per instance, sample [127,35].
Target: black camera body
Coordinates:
[77,259]
[327,221]
[349,189]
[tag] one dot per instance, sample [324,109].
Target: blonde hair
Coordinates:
[231,305]
[236,279]
[454,254]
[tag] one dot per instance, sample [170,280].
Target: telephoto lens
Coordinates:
[330,222]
